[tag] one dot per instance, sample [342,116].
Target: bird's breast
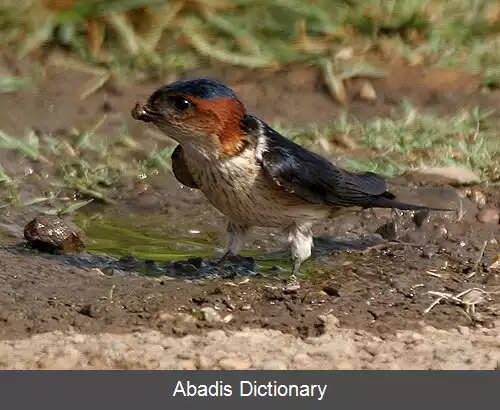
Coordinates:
[238,188]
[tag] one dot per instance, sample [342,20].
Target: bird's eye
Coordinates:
[181,103]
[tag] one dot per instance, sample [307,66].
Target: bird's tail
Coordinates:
[389,201]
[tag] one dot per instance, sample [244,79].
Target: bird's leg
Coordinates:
[237,234]
[301,240]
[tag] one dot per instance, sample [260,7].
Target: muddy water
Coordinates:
[121,241]
[149,245]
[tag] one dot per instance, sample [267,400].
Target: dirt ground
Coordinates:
[362,309]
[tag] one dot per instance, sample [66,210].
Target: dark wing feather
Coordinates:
[316,180]
[180,169]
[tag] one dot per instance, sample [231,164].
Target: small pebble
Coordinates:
[275,365]
[205,362]
[301,359]
[488,215]
[417,336]
[345,365]
[165,316]
[367,92]
[234,364]
[227,318]
[210,315]
[452,175]
[478,197]
[185,318]
[187,365]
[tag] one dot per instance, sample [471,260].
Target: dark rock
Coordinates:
[331,291]
[51,233]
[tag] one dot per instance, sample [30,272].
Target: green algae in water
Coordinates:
[142,238]
[151,238]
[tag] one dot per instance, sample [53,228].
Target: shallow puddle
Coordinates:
[134,244]
[145,238]
[148,245]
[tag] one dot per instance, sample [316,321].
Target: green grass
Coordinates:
[80,168]
[87,166]
[466,139]
[122,34]
[9,84]
[392,147]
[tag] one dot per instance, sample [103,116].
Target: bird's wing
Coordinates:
[180,169]
[316,180]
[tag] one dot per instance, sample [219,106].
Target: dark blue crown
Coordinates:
[200,88]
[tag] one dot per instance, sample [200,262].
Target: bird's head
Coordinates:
[201,114]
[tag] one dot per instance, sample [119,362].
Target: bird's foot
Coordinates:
[292,284]
[224,258]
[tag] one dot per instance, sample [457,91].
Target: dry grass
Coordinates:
[257,33]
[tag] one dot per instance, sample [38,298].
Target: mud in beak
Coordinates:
[141,112]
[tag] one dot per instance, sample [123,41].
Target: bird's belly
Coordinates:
[249,197]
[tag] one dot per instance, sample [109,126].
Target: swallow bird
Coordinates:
[250,172]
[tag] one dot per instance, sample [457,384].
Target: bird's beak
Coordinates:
[142,112]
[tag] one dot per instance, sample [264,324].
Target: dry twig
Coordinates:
[468,298]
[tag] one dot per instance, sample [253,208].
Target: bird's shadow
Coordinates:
[267,264]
